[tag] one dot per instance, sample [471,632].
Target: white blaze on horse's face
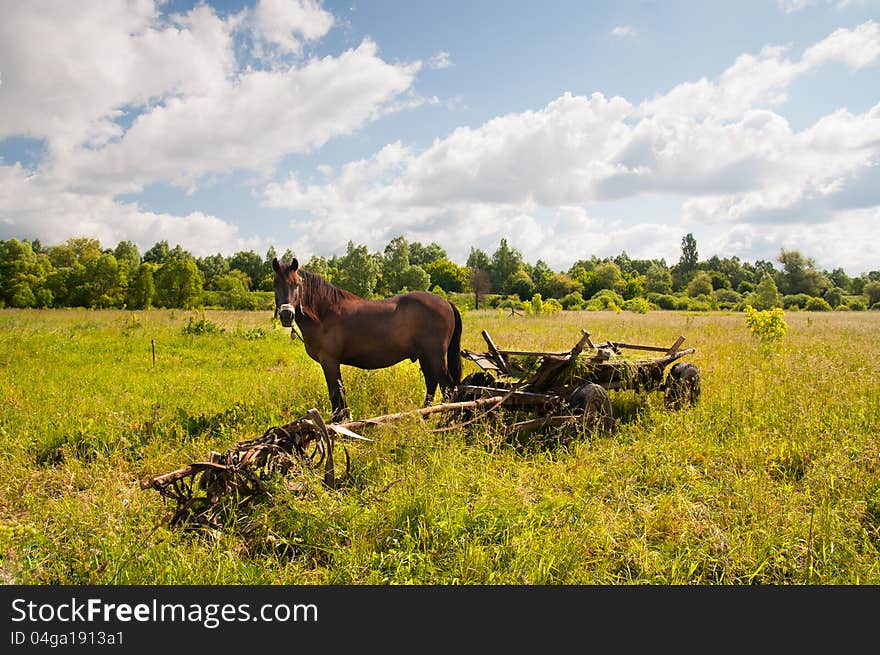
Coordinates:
[286,284]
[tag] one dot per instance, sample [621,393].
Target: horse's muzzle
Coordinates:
[285,313]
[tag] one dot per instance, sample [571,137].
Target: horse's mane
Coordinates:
[319,294]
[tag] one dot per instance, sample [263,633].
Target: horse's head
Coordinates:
[288,285]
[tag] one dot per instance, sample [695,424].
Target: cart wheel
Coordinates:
[476,379]
[683,386]
[594,404]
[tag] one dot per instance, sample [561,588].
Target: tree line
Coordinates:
[80,273]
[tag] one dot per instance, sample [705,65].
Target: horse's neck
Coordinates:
[322,298]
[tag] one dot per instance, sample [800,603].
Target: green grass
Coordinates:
[773,478]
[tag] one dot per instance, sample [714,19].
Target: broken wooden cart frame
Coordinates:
[573,385]
[304,445]
[563,387]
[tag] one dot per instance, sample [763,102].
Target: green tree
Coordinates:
[689,255]
[212,268]
[541,275]
[478,259]
[320,266]
[505,262]
[558,285]
[700,285]
[766,295]
[233,288]
[104,282]
[394,262]
[18,266]
[658,279]
[521,284]
[85,249]
[872,292]
[249,263]
[128,256]
[414,278]
[358,271]
[420,255]
[606,275]
[178,283]
[141,288]
[840,279]
[158,253]
[799,275]
[448,275]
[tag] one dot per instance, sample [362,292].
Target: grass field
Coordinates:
[773,478]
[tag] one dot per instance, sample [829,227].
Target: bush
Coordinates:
[662,300]
[681,304]
[818,305]
[699,306]
[857,305]
[537,304]
[728,296]
[637,305]
[768,325]
[201,326]
[798,300]
[551,306]
[573,300]
[608,299]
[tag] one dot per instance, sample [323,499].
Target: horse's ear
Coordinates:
[294,264]
[275,265]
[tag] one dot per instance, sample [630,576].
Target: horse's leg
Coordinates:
[434,371]
[333,377]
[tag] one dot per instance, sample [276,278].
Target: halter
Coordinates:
[294,304]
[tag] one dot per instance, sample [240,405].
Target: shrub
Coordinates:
[608,299]
[537,304]
[857,305]
[818,305]
[662,300]
[573,300]
[768,325]
[201,326]
[696,305]
[798,300]
[728,296]
[637,305]
[551,306]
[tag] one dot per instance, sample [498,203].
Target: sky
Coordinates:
[572,129]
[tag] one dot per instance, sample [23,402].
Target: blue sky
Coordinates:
[570,128]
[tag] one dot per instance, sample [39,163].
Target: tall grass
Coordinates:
[773,478]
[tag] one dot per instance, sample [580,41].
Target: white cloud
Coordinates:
[287,23]
[55,214]
[124,96]
[623,31]
[247,124]
[718,145]
[791,6]
[440,60]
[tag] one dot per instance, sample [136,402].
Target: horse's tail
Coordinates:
[453,353]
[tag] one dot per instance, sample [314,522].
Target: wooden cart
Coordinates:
[574,385]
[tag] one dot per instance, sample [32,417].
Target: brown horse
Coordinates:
[338,327]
